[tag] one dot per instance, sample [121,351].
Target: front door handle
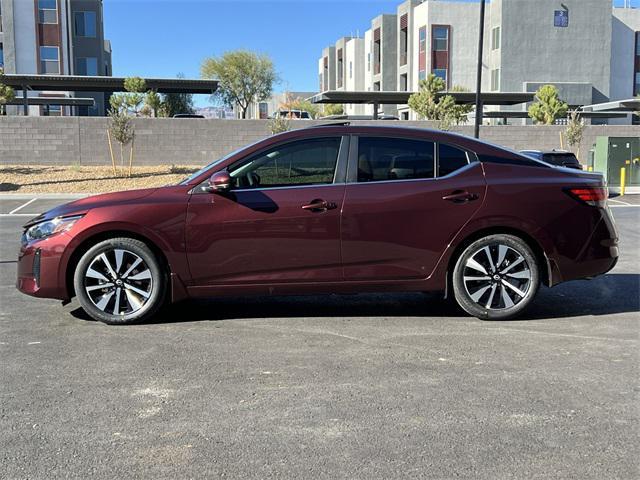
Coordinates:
[319,205]
[460,196]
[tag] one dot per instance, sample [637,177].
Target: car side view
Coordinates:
[330,209]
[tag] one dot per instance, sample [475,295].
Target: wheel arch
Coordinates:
[545,264]
[93,239]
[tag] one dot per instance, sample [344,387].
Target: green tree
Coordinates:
[429,103]
[6,93]
[154,102]
[130,101]
[333,109]
[244,77]
[174,103]
[305,106]
[575,131]
[547,107]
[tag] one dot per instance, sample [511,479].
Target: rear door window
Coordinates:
[386,158]
[450,159]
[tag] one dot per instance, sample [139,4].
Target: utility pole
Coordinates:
[476,130]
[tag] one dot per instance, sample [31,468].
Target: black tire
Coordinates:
[134,294]
[480,284]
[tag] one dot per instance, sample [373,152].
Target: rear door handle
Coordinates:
[460,196]
[319,205]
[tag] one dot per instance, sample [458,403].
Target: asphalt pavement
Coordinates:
[357,387]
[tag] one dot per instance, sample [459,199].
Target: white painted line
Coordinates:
[22,206]
[19,214]
[619,201]
[628,205]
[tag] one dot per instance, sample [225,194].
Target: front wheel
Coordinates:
[120,281]
[496,277]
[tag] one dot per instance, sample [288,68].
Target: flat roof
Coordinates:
[80,83]
[66,101]
[512,114]
[628,105]
[401,98]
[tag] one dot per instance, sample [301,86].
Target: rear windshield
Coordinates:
[560,158]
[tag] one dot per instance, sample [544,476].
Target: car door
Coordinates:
[279,223]
[405,201]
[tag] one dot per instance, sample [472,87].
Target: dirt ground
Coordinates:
[86,179]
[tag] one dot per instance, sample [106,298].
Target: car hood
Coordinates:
[83,205]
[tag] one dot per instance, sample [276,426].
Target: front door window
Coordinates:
[304,162]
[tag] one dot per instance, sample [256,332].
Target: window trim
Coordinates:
[338,175]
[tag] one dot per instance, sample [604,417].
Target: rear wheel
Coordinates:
[496,277]
[120,281]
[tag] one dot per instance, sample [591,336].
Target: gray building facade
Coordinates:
[55,37]
[589,49]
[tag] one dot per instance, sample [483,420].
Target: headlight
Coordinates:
[49,227]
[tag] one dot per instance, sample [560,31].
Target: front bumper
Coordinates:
[40,271]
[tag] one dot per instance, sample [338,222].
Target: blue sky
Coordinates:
[160,38]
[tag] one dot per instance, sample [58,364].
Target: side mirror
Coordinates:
[220,182]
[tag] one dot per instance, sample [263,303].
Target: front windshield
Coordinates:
[195,175]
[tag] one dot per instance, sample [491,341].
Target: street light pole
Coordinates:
[476,130]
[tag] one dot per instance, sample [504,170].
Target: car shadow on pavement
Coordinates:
[606,295]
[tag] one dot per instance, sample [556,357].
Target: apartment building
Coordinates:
[55,37]
[587,48]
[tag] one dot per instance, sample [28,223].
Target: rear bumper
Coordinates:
[598,255]
[39,268]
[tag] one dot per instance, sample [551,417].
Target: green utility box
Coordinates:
[614,153]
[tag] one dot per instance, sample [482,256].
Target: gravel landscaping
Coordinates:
[87,179]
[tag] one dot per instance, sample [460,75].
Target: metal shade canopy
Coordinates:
[78,83]
[401,98]
[64,101]
[628,105]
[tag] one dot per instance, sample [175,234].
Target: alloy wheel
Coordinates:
[497,277]
[118,282]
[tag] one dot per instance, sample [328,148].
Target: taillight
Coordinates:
[594,196]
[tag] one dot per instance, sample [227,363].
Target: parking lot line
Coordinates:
[12,212]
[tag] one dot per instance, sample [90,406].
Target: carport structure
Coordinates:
[402,98]
[78,83]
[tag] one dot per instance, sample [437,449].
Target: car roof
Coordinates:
[546,152]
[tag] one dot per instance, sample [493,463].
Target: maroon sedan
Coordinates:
[330,209]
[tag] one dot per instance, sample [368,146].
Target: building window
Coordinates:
[422,53]
[87,66]
[48,11]
[376,86]
[403,82]
[441,73]
[404,38]
[636,87]
[340,68]
[495,38]
[441,39]
[369,62]
[52,111]
[49,60]
[377,51]
[350,69]
[325,73]
[85,23]
[495,79]
[1,56]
